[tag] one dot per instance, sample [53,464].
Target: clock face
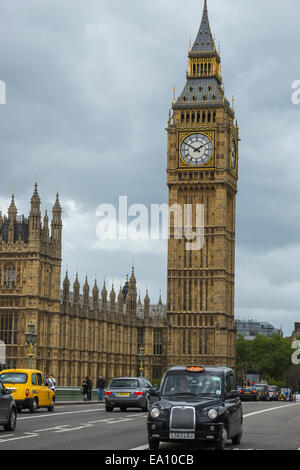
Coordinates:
[196,149]
[233,155]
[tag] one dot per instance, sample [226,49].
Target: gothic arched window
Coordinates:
[9,275]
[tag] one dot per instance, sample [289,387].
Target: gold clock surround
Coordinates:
[206,166]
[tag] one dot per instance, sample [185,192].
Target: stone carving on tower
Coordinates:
[202,168]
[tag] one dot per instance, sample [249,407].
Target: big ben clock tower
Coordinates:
[202,170]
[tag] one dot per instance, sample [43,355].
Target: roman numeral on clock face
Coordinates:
[196,149]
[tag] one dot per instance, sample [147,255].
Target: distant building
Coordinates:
[296,332]
[250,329]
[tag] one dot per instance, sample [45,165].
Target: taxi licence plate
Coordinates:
[123,394]
[182,435]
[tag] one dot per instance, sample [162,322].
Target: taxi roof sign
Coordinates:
[195,369]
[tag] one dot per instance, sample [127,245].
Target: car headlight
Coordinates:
[154,413]
[212,414]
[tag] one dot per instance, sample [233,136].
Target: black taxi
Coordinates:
[196,404]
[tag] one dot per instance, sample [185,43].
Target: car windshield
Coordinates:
[260,387]
[124,383]
[13,378]
[193,384]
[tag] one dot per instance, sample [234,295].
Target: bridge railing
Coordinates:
[72,394]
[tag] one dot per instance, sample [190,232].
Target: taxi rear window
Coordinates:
[14,378]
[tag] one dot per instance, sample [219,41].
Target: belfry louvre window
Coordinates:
[157,342]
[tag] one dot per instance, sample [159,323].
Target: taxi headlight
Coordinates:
[212,414]
[154,413]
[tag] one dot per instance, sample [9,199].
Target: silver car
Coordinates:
[130,392]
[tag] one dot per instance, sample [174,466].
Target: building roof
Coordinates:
[21,229]
[200,90]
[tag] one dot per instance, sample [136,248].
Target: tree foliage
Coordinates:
[270,357]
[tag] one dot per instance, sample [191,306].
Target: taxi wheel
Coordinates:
[236,440]
[220,445]
[123,408]
[153,444]
[51,407]
[108,408]
[11,425]
[34,406]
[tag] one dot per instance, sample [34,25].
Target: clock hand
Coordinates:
[196,150]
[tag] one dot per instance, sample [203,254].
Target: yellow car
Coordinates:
[29,389]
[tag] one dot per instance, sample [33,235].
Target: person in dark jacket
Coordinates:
[89,388]
[100,387]
[84,389]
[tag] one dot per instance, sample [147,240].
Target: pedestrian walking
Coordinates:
[52,383]
[100,387]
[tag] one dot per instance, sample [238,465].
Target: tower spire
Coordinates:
[56,224]
[204,40]
[203,86]
[35,216]
[12,214]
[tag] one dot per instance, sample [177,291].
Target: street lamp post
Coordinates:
[31,337]
[141,359]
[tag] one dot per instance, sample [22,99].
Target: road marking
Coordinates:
[101,421]
[143,415]
[120,420]
[74,429]
[144,447]
[65,427]
[39,415]
[27,435]
[265,411]
[51,429]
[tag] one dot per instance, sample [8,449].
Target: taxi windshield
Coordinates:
[13,378]
[194,384]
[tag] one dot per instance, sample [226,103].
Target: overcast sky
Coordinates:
[89,87]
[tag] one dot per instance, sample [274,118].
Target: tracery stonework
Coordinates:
[96,333]
[78,334]
[203,169]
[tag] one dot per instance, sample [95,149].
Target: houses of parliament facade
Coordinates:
[87,332]
[80,331]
